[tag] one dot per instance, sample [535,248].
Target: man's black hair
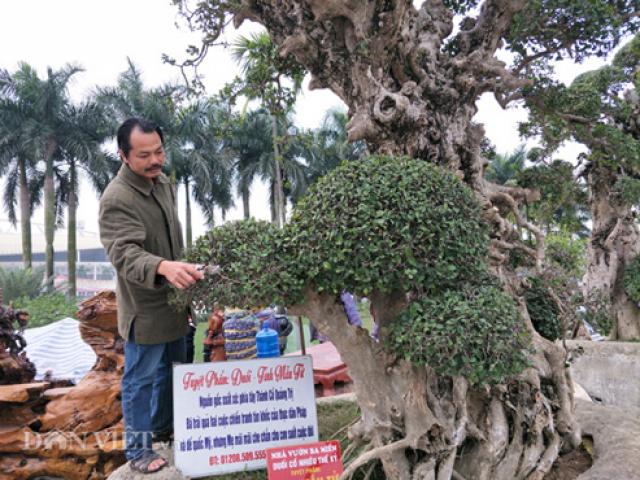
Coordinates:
[124,132]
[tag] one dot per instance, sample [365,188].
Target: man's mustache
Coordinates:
[153,168]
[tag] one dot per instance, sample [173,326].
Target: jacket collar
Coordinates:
[137,182]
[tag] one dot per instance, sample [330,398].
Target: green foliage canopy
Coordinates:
[20,283]
[594,112]
[255,264]
[543,310]
[563,202]
[381,225]
[632,280]
[476,333]
[389,223]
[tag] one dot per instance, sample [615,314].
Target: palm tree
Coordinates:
[17,164]
[47,107]
[82,151]
[327,147]
[266,75]
[199,161]
[504,168]
[130,98]
[194,155]
[251,142]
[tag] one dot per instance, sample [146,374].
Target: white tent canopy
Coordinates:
[59,347]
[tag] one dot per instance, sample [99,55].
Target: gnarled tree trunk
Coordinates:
[424,426]
[614,244]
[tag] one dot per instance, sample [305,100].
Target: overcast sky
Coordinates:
[100,35]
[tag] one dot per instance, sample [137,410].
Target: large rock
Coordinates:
[608,371]
[616,440]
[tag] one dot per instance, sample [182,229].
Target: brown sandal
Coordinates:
[143,462]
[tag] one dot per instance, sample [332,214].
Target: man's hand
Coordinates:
[179,274]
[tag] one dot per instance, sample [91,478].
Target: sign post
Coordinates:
[226,414]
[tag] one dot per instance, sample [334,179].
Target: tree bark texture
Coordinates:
[277,172]
[272,203]
[386,61]
[614,244]
[49,212]
[188,213]
[72,250]
[244,190]
[25,214]
[424,426]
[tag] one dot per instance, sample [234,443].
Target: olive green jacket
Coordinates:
[139,228]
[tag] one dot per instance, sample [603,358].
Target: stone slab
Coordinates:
[608,371]
[616,440]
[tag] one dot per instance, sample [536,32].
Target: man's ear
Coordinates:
[123,156]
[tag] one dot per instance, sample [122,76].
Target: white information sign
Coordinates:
[226,414]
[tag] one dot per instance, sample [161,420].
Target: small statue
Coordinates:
[214,342]
[12,339]
[15,367]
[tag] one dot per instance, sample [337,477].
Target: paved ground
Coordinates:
[616,440]
[167,473]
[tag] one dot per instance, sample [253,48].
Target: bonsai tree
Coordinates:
[411,81]
[458,368]
[601,109]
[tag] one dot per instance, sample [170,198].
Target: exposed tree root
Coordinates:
[424,426]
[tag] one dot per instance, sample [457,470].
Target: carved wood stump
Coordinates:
[74,433]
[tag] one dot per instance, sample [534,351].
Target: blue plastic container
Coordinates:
[267,342]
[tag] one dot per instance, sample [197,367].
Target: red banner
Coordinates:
[310,461]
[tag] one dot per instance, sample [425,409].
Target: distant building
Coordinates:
[94,272]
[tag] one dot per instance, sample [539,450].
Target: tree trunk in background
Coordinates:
[72,250]
[245,200]
[277,164]
[272,203]
[188,212]
[25,214]
[614,244]
[49,212]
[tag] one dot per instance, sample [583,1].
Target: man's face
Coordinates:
[146,156]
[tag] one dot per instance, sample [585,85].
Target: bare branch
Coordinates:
[491,26]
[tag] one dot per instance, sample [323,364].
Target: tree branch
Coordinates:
[491,25]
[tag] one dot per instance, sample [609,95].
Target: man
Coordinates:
[140,230]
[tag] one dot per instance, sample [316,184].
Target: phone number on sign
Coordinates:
[237,457]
